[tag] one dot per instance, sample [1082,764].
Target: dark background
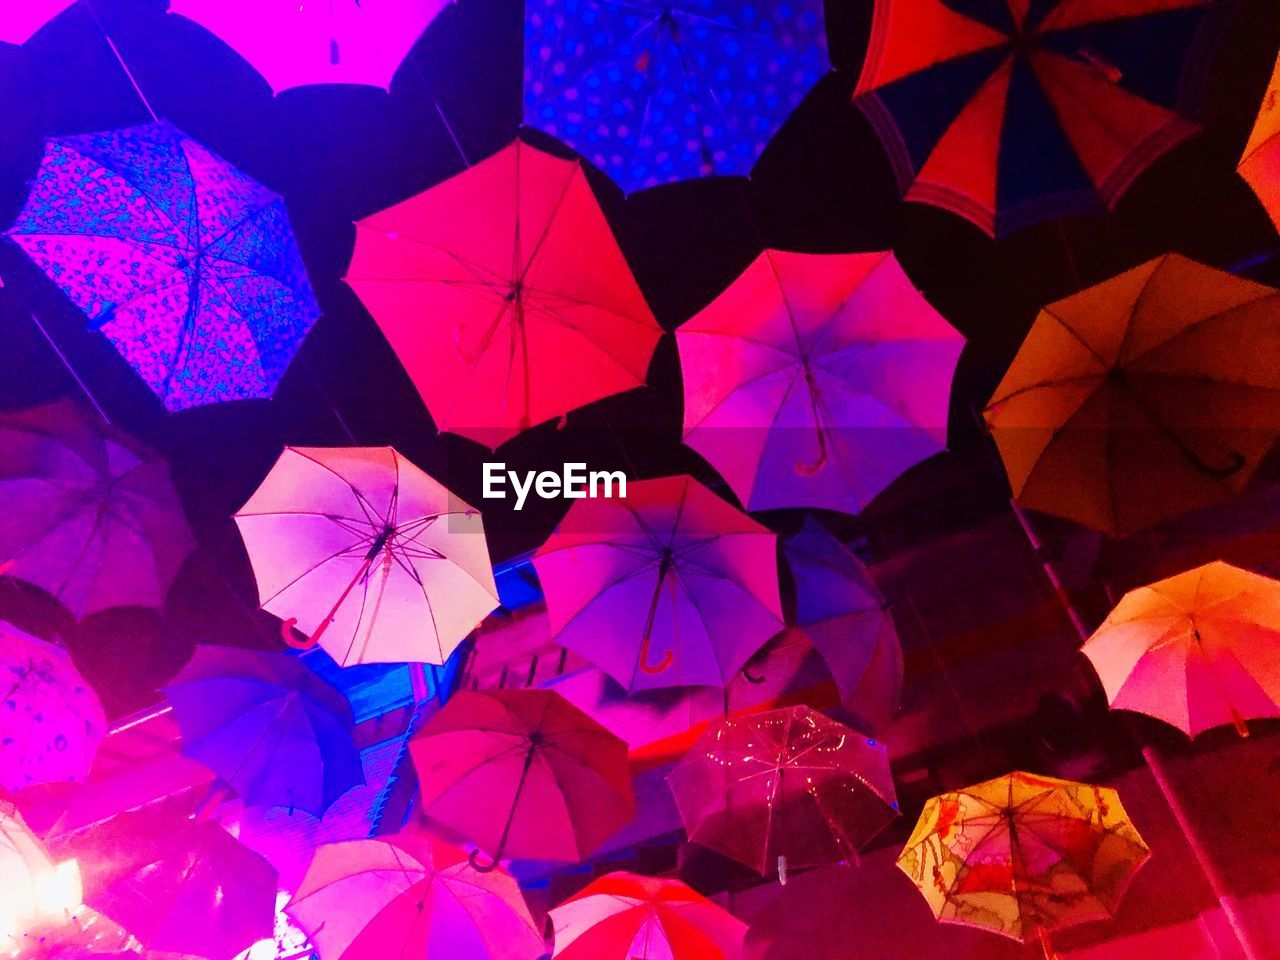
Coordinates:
[341,153]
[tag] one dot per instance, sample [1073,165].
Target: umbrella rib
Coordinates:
[373,515]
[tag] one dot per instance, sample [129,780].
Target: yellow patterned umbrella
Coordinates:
[1024,855]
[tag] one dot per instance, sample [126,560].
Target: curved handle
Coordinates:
[652,668]
[473,858]
[809,469]
[1217,473]
[287,635]
[748,676]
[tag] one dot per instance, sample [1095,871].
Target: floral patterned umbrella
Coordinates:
[51,721]
[185,264]
[1024,855]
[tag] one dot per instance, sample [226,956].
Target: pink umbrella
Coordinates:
[91,515]
[815,380]
[411,897]
[51,721]
[377,561]
[670,586]
[523,773]
[20,19]
[505,295]
[624,916]
[296,43]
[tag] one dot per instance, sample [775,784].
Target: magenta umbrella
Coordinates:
[90,514]
[670,586]
[51,721]
[816,380]
[296,44]
[20,19]
[177,885]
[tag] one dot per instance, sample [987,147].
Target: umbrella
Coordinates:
[1197,650]
[1260,164]
[781,789]
[815,380]
[35,891]
[411,897]
[1007,114]
[19,21]
[377,561]
[295,44]
[270,728]
[523,774]
[670,586]
[505,295]
[51,721]
[1148,395]
[177,885]
[842,614]
[92,515]
[652,92]
[185,264]
[624,916]
[1024,855]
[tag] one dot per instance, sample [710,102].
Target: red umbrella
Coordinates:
[91,515]
[784,788]
[670,586]
[817,380]
[505,295]
[177,885]
[411,897]
[524,774]
[624,916]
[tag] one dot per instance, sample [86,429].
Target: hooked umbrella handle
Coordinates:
[287,635]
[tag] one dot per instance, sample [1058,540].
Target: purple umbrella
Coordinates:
[177,885]
[270,728]
[51,721]
[90,514]
[842,614]
[187,265]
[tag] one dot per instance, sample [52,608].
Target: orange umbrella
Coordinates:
[1260,164]
[1198,650]
[1148,395]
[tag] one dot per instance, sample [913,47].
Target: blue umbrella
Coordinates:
[267,726]
[653,91]
[840,611]
[186,264]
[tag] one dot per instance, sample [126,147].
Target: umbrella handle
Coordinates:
[6,566]
[748,676]
[1217,473]
[473,858]
[652,668]
[286,634]
[809,469]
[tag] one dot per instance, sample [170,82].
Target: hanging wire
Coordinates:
[93,14]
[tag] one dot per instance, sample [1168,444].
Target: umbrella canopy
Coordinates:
[35,891]
[505,295]
[270,728]
[785,788]
[92,515]
[624,916]
[51,721]
[1024,855]
[842,614]
[1260,164]
[815,380]
[1148,395]
[296,44]
[670,586]
[523,774]
[1010,113]
[1197,650]
[374,559]
[20,21]
[411,897]
[652,92]
[177,885]
[185,264]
